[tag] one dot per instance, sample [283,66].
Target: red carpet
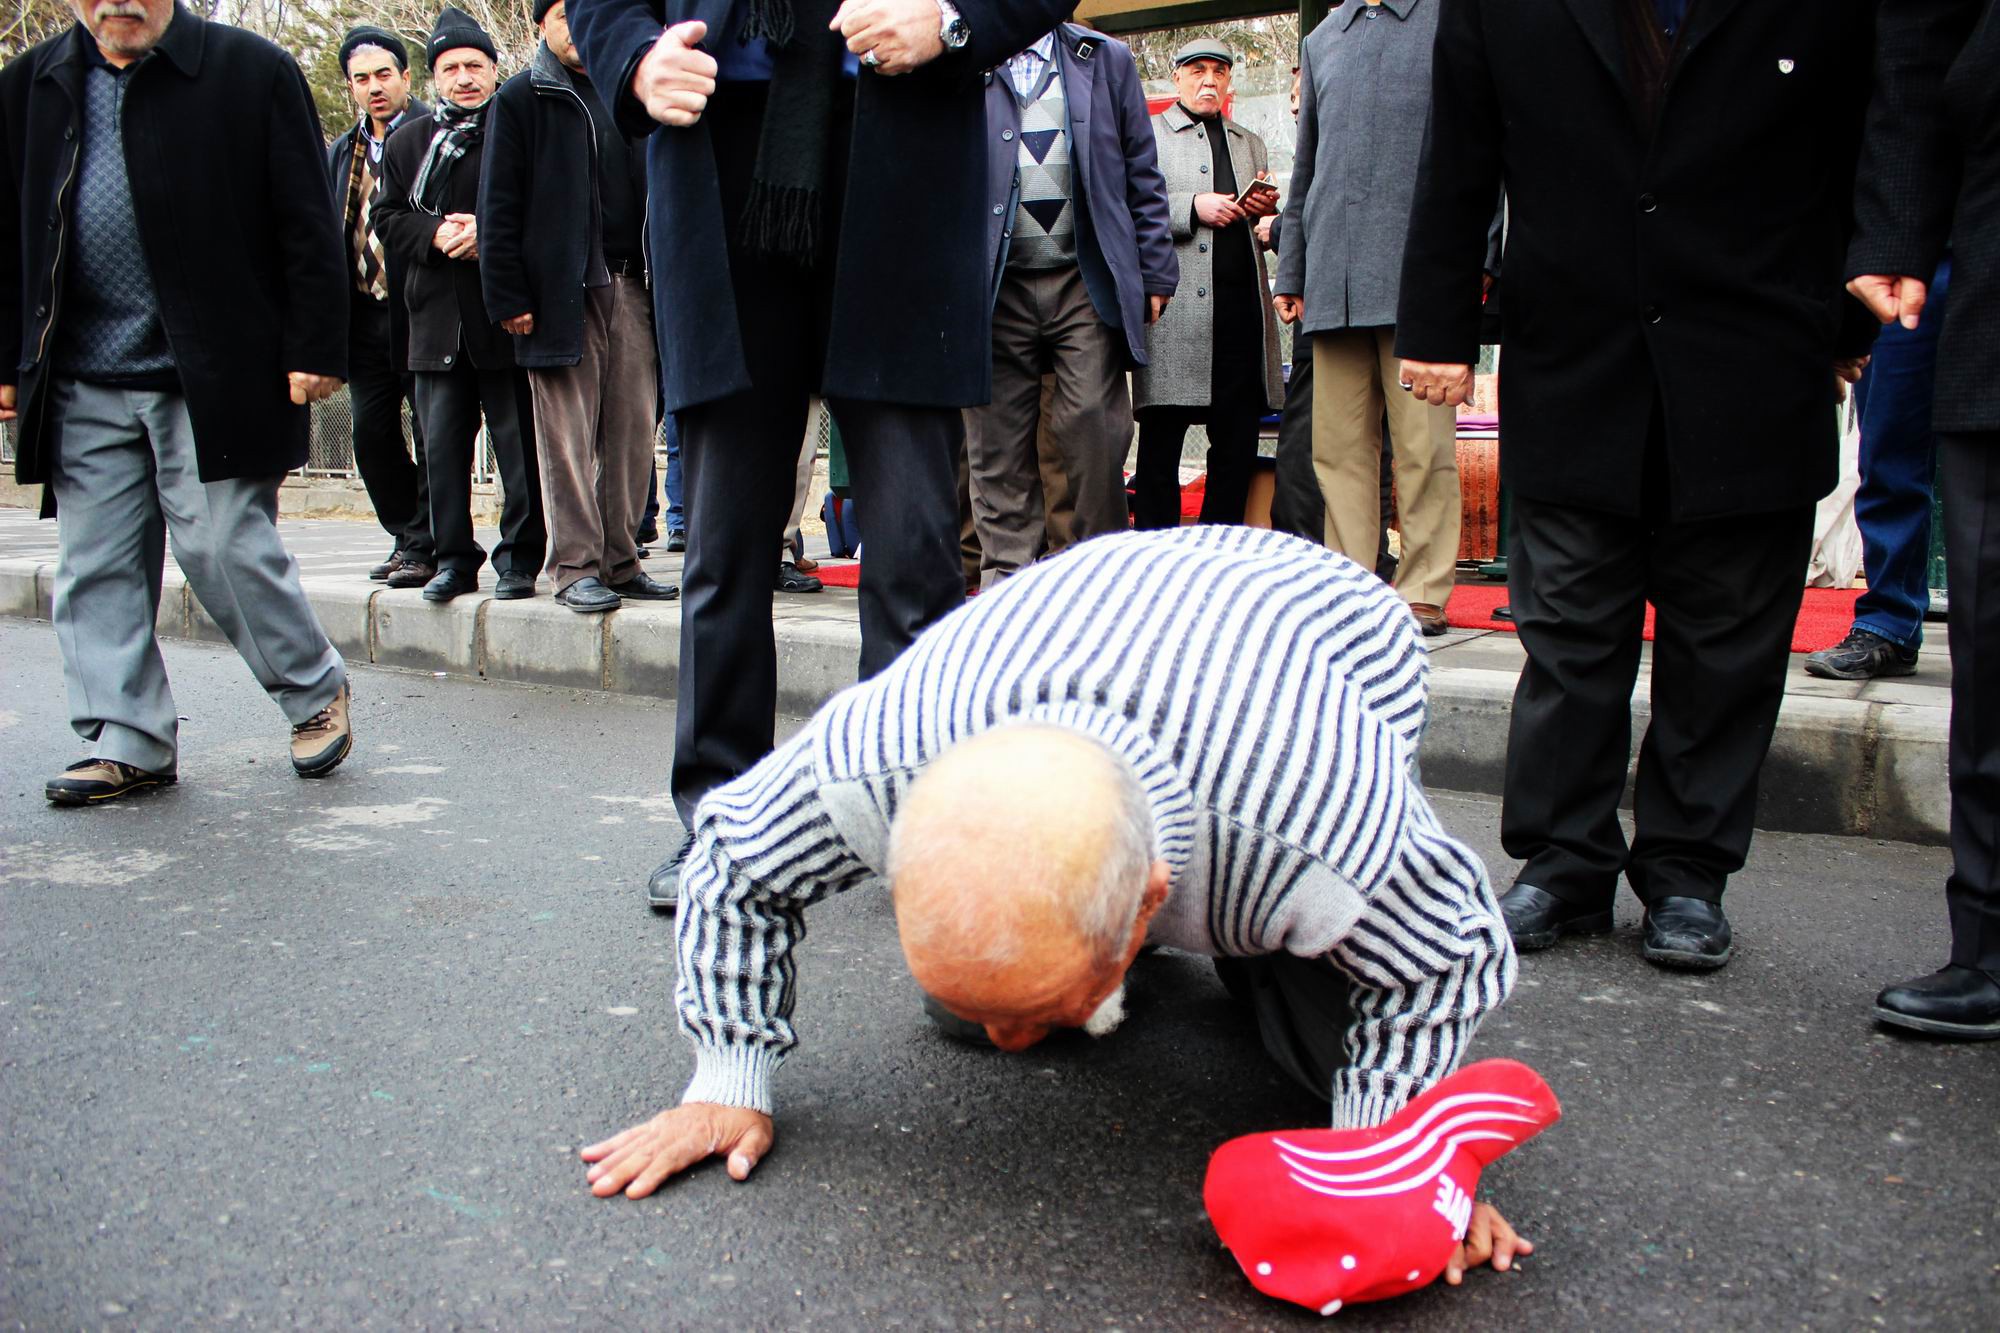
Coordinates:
[839,573]
[1823,619]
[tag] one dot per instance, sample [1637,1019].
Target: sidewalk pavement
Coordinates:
[1862,758]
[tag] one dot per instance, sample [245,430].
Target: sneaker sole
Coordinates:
[1597,923]
[1680,960]
[324,763]
[1937,1027]
[63,796]
[666,905]
[1825,672]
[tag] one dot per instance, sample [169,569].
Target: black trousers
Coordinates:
[1727,594]
[376,386]
[451,403]
[1232,421]
[739,459]
[1969,477]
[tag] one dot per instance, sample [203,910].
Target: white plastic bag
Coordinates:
[1836,549]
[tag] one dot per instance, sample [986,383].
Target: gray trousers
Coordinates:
[1045,319]
[594,428]
[125,480]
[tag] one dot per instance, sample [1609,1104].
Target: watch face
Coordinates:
[957,33]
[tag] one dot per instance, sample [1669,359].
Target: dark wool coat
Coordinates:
[441,296]
[537,207]
[1930,176]
[338,159]
[912,319]
[1697,265]
[223,150]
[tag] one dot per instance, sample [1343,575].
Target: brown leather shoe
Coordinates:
[321,741]
[806,565]
[94,781]
[1430,619]
[411,574]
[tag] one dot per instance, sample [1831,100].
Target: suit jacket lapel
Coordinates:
[1079,82]
[1704,17]
[1599,21]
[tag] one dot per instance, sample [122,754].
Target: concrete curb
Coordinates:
[1873,768]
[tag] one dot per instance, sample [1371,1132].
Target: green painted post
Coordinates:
[1937,578]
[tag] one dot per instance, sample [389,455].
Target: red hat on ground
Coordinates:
[1328,1217]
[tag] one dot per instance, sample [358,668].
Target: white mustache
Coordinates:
[1104,1019]
[120,9]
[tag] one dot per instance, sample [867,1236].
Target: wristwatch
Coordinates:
[955,32]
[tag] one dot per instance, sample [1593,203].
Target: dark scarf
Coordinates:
[1649,54]
[456,130]
[788,182]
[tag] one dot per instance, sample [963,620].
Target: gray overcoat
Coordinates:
[1181,344]
[1364,95]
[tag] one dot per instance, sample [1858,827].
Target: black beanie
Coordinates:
[456,28]
[368,34]
[542,8]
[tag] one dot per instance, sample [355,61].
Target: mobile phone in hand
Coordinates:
[1255,189]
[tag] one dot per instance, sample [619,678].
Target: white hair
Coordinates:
[983,926]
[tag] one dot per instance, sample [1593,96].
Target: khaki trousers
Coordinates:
[594,427]
[1355,379]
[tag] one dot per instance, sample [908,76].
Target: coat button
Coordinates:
[1008,232]
[1007,136]
[1204,168]
[1648,204]
[447,361]
[1201,291]
[1652,314]
[1203,247]
[997,210]
[69,132]
[41,311]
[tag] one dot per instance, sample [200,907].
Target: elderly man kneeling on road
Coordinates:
[1048,787]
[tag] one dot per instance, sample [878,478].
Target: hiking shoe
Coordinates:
[94,781]
[1862,655]
[321,741]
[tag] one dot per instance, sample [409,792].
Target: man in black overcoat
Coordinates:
[157,353]
[1678,177]
[818,221]
[1930,178]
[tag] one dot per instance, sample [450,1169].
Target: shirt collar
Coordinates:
[1400,8]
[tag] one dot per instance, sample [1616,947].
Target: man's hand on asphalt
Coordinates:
[639,1160]
[1891,297]
[674,81]
[899,35]
[304,386]
[1217,210]
[10,401]
[1288,306]
[1437,382]
[1156,305]
[520,325]
[1846,372]
[1488,1239]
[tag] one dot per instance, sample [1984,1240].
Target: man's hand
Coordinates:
[1891,297]
[674,81]
[1260,203]
[1846,372]
[1263,229]
[10,401]
[446,234]
[1288,306]
[1437,382]
[1217,210]
[520,325]
[639,1160]
[464,242]
[1488,1237]
[893,36]
[1155,307]
[305,387]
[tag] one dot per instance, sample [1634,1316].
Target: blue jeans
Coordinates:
[1898,457]
[676,516]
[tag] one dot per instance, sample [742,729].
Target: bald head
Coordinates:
[1023,872]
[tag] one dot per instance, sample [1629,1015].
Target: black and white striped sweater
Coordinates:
[1270,696]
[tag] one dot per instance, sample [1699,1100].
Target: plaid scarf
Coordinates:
[458,131]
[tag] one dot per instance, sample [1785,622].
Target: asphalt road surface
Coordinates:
[290,1053]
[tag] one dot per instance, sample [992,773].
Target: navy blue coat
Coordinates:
[1125,242]
[913,219]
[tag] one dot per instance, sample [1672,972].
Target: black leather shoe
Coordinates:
[387,567]
[790,580]
[1691,934]
[648,533]
[1862,655]
[645,588]
[677,539]
[514,585]
[450,583]
[1537,918]
[589,595]
[663,887]
[1961,1002]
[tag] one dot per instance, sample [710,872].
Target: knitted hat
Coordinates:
[1331,1217]
[367,34]
[456,28]
[542,8]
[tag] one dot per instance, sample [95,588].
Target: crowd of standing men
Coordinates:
[709,226]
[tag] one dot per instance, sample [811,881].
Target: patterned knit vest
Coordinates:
[1045,222]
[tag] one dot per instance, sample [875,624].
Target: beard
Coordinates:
[122,38]
[1104,1019]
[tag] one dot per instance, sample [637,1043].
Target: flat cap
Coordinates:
[1205,48]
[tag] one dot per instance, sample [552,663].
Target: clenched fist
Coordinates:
[674,80]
